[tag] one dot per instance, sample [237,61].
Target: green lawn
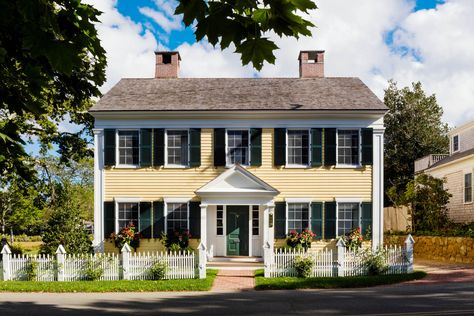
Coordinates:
[290,283]
[111,286]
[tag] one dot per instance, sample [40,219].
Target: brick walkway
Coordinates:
[441,272]
[234,280]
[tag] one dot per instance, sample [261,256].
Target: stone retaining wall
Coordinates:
[449,249]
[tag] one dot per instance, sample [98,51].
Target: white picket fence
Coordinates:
[343,262]
[127,265]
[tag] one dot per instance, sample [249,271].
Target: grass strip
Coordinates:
[291,283]
[111,286]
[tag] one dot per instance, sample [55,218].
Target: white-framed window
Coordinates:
[255,220]
[297,149]
[177,217]
[348,217]
[238,147]
[468,188]
[128,148]
[127,214]
[348,147]
[220,220]
[297,217]
[177,148]
[455,143]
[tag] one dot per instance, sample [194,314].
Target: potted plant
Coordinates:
[127,235]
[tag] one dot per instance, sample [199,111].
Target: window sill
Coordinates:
[127,166]
[230,166]
[297,166]
[176,167]
[348,166]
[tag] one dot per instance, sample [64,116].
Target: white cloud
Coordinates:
[164,20]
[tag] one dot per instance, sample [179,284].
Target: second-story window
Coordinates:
[128,147]
[177,142]
[238,147]
[298,147]
[455,143]
[348,147]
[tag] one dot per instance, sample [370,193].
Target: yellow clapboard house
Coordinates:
[238,163]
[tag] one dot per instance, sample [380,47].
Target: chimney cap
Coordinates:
[310,51]
[161,52]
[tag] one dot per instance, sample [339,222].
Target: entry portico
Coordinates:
[237,213]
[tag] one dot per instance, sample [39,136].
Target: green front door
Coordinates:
[237,230]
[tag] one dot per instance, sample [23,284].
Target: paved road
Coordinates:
[407,299]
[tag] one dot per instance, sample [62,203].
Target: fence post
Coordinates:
[267,259]
[341,252]
[409,249]
[60,258]
[201,261]
[126,261]
[6,256]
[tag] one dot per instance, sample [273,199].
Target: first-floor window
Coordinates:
[348,147]
[220,220]
[298,216]
[468,188]
[238,147]
[177,217]
[127,214]
[128,147]
[347,217]
[255,220]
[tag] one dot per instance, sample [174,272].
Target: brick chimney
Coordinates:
[167,64]
[311,63]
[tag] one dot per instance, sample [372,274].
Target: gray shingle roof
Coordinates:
[220,94]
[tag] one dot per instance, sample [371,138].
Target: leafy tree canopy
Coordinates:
[51,64]
[246,24]
[413,129]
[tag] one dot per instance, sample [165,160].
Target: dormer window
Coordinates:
[455,143]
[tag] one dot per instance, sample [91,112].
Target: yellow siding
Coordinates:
[316,183]
[146,245]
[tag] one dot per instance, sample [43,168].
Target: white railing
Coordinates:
[343,262]
[427,161]
[127,265]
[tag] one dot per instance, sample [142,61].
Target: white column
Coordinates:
[377,189]
[98,242]
[204,225]
[269,225]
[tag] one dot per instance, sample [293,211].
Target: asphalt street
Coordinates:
[404,299]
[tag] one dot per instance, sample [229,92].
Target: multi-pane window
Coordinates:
[127,214]
[298,216]
[468,188]
[347,217]
[255,221]
[177,217]
[455,143]
[177,142]
[128,147]
[238,147]
[220,220]
[298,147]
[348,147]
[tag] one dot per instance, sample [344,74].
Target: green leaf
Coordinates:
[191,10]
[304,5]
[257,50]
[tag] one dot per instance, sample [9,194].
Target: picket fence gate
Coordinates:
[342,262]
[126,266]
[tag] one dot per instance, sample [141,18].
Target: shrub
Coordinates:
[303,266]
[174,248]
[158,270]
[26,238]
[375,262]
[31,270]
[93,270]
[17,249]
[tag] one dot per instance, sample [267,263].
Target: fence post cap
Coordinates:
[126,248]
[61,250]
[266,245]
[340,243]
[6,250]
[409,239]
[201,246]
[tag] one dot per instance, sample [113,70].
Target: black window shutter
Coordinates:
[317,219]
[366,218]
[256,147]
[329,220]
[219,147]
[109,147]
[194,147]
[144,221]
[158,218]
[195,219]
[279,147]
[367,141]
[145,147]
[280,219]
[316,147]
[109,218]
[330,135]
[159,147]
